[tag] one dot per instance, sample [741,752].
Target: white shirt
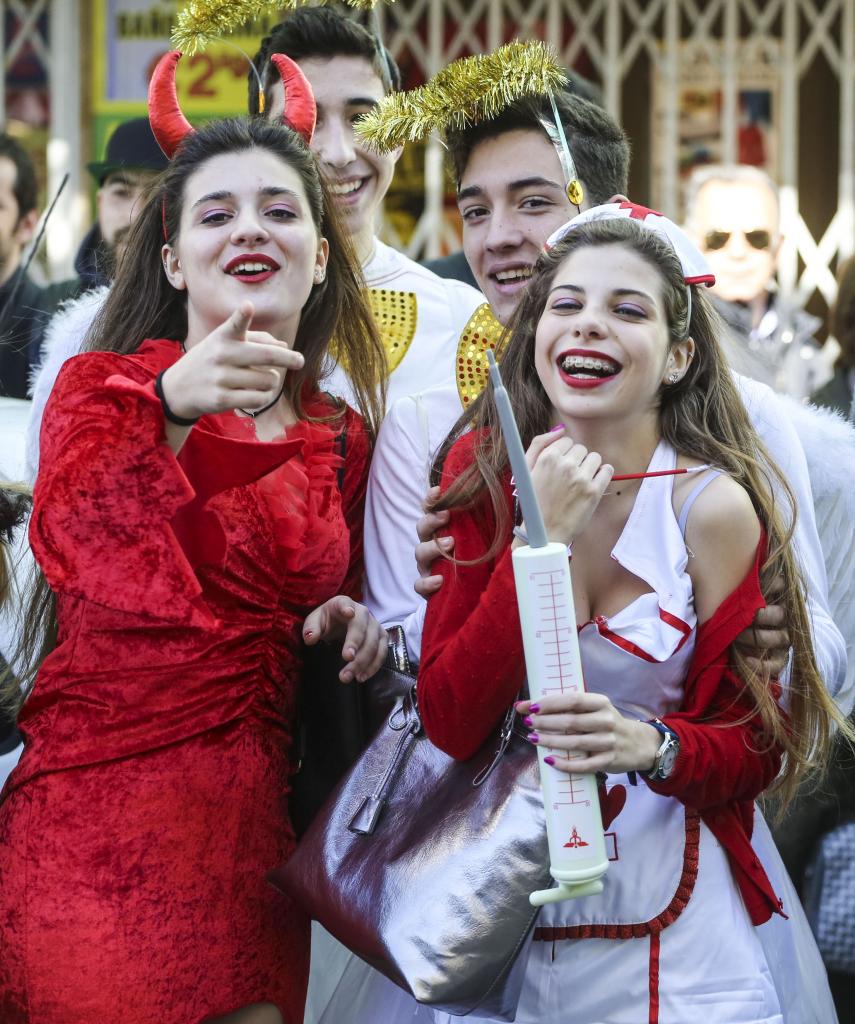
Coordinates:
[443,309]
[409,439]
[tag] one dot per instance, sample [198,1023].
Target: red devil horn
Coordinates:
[168,124]
[300,111]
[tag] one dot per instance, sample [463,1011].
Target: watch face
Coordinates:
[666,764]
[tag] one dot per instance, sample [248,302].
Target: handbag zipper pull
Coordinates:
[364,822]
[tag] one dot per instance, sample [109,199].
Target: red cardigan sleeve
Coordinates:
[724,761]
[472,655]
[723,756]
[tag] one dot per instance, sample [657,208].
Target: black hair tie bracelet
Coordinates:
[179,421]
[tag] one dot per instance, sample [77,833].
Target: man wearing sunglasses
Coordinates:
[732,213]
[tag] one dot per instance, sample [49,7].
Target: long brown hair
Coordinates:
[143,304]
[703,417]
[35,623]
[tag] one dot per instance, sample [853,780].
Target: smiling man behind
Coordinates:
[511,195]
[420,316]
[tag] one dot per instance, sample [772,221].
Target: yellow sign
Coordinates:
[130,36]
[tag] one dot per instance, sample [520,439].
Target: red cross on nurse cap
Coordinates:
[696,270]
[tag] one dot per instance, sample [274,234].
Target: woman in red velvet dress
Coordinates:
[197,524]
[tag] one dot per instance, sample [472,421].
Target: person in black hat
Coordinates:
[132,160]
[25,306]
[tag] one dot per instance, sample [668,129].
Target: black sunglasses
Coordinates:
[758,239]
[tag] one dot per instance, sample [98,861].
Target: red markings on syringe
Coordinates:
[575,840]
[556,633]
[572,790]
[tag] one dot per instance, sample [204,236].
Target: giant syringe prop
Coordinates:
[577,849]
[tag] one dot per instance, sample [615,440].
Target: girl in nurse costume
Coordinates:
[612,365]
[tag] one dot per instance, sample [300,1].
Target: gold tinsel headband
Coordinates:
[468,91]
[203,20]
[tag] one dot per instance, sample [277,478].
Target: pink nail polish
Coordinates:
[550,761]
[527,721]
[533,737]
[534,709]
[554,430]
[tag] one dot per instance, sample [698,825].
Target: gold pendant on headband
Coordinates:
[575,192]
[481,334]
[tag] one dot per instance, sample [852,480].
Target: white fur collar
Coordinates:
[64,338]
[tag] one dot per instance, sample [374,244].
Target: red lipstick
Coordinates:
[252,276]
[586,382]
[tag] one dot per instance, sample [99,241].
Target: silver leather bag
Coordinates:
[423,865]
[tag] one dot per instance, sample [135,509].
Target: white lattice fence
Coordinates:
[676,38]
[25,30]
[727,37]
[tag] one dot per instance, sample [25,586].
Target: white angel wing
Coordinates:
[835,520]
[829,444]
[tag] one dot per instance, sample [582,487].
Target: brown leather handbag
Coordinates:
[423,865]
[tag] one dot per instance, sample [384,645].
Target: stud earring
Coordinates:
[673,378]
[319,275]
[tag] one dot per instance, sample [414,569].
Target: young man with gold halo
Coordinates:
[513,174]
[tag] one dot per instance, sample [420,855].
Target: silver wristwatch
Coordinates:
[666,755]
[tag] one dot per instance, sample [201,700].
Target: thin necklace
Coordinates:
[257,412]
[252,413]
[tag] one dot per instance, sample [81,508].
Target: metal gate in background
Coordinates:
[609,39]
[639,52]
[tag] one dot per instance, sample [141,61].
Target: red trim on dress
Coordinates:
[669,915]
[654,979]
[601,622]
[620,641]
[676,623]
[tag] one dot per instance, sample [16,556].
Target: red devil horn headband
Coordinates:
[170,126]
[300,110]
